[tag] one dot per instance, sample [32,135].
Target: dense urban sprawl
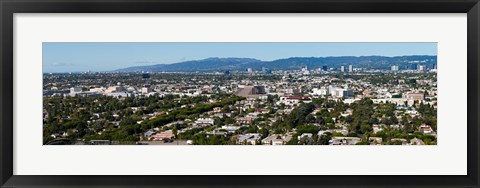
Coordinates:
[344,106]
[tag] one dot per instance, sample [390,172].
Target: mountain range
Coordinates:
[224,64]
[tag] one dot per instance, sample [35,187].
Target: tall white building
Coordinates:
[394,68]
[342,68]
[340,92]
[350,68]
[422,67]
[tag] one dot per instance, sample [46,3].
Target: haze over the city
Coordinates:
[85,56]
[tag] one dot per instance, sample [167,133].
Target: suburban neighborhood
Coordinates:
[344,105]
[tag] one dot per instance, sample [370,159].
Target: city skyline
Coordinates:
[290,94]
[107,56]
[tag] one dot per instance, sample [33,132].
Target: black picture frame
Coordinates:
[10,7]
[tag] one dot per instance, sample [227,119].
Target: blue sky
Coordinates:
[107,56]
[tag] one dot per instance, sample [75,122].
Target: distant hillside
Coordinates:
[222,64]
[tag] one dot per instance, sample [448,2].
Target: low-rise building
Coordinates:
[345,140]
[146,90]
[244,120]
[398,141]
[204,122]
[320,92]
[415,96]
[217,132]
[308,135]
[416,141]
[425,129]
[294,100]
[249,139]
[166,135]
[375,140]
[230,129]
[275,140]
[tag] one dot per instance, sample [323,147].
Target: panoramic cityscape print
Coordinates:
[239,93]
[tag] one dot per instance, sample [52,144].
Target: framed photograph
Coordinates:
[255,93]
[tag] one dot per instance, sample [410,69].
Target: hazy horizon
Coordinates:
[108,56]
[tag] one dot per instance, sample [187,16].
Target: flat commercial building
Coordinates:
[415,96]
[75,90]
[146,90]
[251,91]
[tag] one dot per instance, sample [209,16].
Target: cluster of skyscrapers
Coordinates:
[350,68]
